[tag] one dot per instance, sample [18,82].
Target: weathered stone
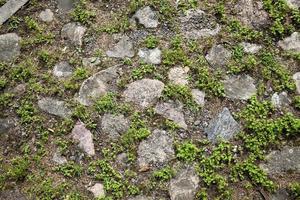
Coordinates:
[114,125]
[218,56]
[147,17]
[66,5]
[239,87]
[124,48]
[197,24]
[222,127]
[291,43]
[251,48]
[150,56]
[54,107]
[97,190]
[285,160]
[281,194]
[84,137]
[9,46]
[74,33]
[12,195]
[91,62]
[143,92]
[293,3]
[6,124]
[141,197]
[198,96]
[10,8]
[296,77]
[172,112]
[62,70]
[280,100]
[58,158]
[184,185]
[97,86]
[179,75]
[46,15]
[157,149]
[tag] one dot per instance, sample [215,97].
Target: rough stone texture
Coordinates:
[10,8]
[239,87]
[6,124]
[251,13]
[179,75]
[172,112]
[9,46]
[251,48]
[293,3]
[222,127]
[54,107]
[46,15]
[143,92]
[291,43]
[58,158]
[124,48]
[281,194]
[12,195]
[280,100]
[296,77]
[66,5]
[197,24]
[147,17]
[73,32]
[141,197]
[97,86]
[114,125]
[63,70]
[91,62]
[218,56]
[150,56]
[84,137]
[285,160]
[97,190]
[157,149]
[199,97]
[184,185]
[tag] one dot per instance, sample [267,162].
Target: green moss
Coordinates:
[164,174]
[295,189]
[143,70]
[82,14]
[187,151]
[151,42]
[70,169]
[296,102]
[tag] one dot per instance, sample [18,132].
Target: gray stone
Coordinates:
[197,24]
[66,5]
[251,48]
[147,17]
[179,75]
[141,197]
[222,127]
[291,43]
[91,62]
[97,190]
[293,3]
[172,112]
[285,160]
[150,56]
[84,138]
[281,194]
[58,158]
[10,8]
[199,97]
[114,125]
[63,70]
[296,78]
[143,93]
[46,15]
[239,87]
[157,149]
[280,100]
[12,195]
[184,186]
[218,56]
[74,33]
[54,107]
[6,124]
[124,48]
[9,46]
[97,86]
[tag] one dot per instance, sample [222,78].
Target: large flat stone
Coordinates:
[9,46]
[10,8]
[291,43]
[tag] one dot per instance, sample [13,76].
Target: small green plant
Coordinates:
[32,24]
[70,169]
[187,151]
[107,103]
[18,169]
[80,74]
[151,42]
[295,189]
[27,112]
[296,102]
[164,174]
[82,14]
[142,71]
[3,82]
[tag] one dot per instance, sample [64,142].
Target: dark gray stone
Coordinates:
[12,195]
[10,8]
[147,17]
[46,15]
[141,197]
[66,5]
[91,62]
[281,194]
[9,46]
[114,125]
[54,107]
[63,70]
[218,56]
[6,124]
[124,48]
[74,33]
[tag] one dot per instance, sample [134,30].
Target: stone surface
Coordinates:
[172,112]
[114,125]
[291,43]
[124,48]
[58,158]
[222,127]
[6,124]
[199,97]
[280,100]
[97,86]
[10,8]
[143,93]
[285,160]
[147,17]
[54,107]
[46,15]
[63,70]
[97,190]
[281,194]
[251,48]
[150,56]
[91,62]
[157,149]
[12,195]
[74,33]
[84,138]
[9,46]
[184,186]
[218,56]
[66,5]
[140,197]
[293,3]
[179,75]
[197,24]
[296,78]
[239,87]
